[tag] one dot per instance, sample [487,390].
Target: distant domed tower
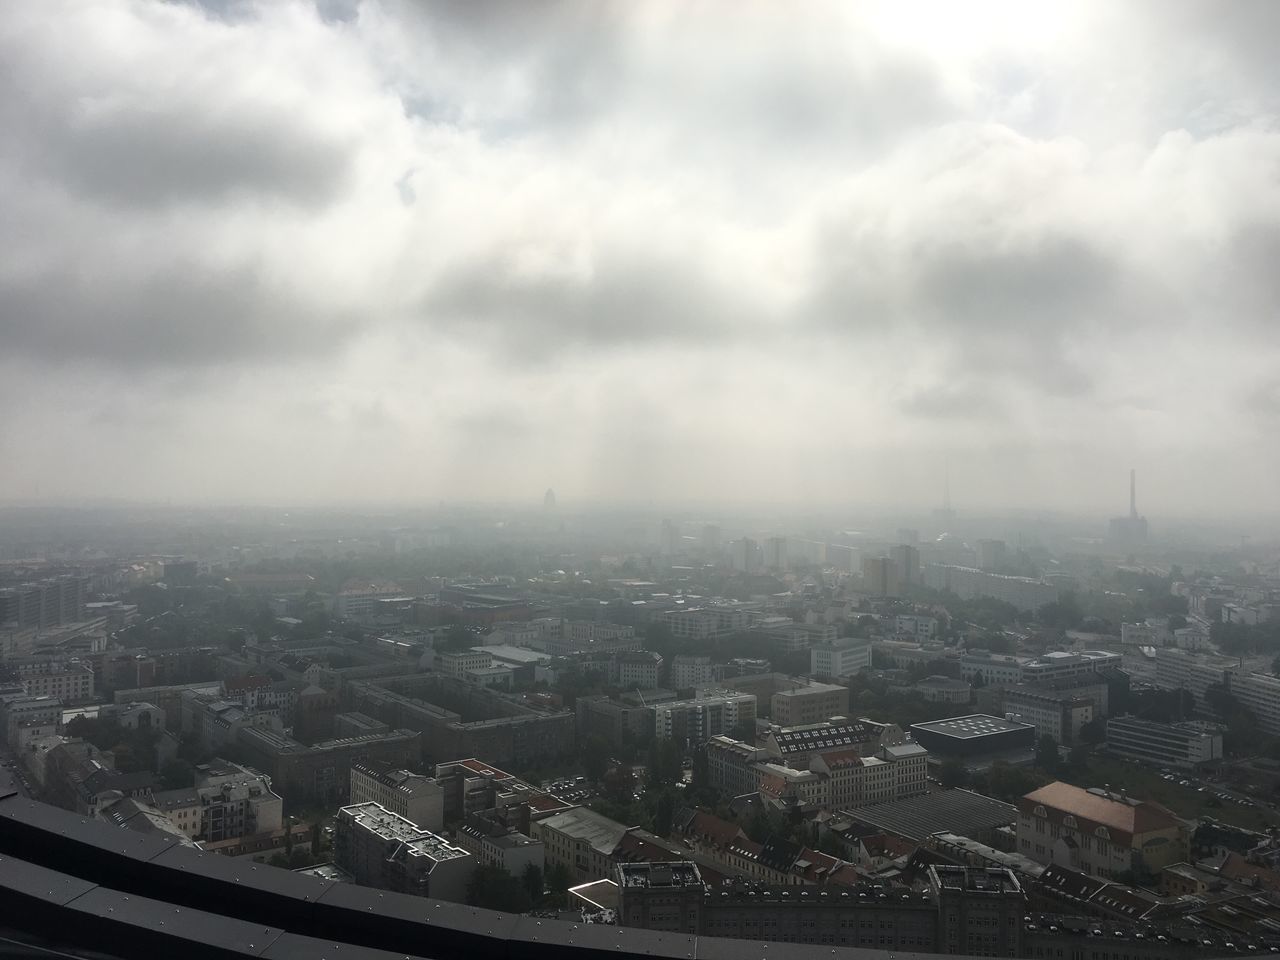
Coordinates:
[549,500]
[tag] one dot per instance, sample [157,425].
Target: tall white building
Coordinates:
[840,658]
[968,582]
[687,671]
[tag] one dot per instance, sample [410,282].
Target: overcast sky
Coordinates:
[341,250]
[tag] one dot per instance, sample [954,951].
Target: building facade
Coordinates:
[380,849]
[1099,832]
[1164,744]
[417,798]
[840,658]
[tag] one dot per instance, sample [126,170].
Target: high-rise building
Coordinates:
[880,576]
[906,560]
[1130,531]
[991,555]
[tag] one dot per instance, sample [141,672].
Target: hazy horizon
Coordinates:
[397,253]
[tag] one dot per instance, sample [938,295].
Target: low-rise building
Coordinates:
[810,702]
[921,629]
[228,802]
[458,663]
[975,739]
[1099,832]
[1060,665]
[381,849]
[1164,744]
[940,689]
[580,840]
[496,845]
[840,658]
[1259,693]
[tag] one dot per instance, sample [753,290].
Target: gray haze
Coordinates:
[399,251]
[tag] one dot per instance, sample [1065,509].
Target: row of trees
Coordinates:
[498,889]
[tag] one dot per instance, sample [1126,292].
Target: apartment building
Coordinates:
[731,765]
[969,582]
[494,844]
[228,802]
[688,671]
[635,669]
[853,780]
[417,798]
[381,849]
[704,716]
[794,746]
[71,681]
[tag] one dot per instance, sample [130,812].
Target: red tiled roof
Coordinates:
[1061,799]
[708,825]
[1236,867]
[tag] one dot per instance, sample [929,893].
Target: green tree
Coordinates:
[953,773]
[663,812]
[533,881]
[177,774]
[595,757]
[1095,731]
[496,889]
[1047,753]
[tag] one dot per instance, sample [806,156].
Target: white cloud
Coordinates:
[394,250]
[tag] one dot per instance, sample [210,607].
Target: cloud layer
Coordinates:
[391,250]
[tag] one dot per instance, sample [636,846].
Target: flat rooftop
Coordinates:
[956,811]
[971,727]
[674,874]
